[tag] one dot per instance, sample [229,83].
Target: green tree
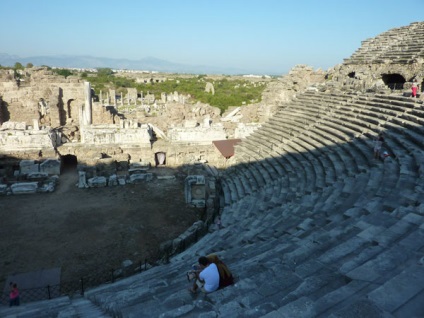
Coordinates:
[104,71]
[62,71]
[18,66]
[29,65]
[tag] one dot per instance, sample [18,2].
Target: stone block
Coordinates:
[302,307]
[3,188]
[50,166]
[122,180]
[28,166]
[37,176]
[140,177]
[361,308]
[413,218]
[398,290]
[47,187]
[82,180]
[113,180]
[380,265]
[97,182]
[24,187]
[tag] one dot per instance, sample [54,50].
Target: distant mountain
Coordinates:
[144,64]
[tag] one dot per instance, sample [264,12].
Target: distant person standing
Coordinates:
[219,222]
[378,143]
[414,88]
[13,295]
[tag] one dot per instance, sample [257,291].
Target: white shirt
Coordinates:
[211,277]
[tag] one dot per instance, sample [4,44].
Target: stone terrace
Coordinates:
[398,45]
[313,225]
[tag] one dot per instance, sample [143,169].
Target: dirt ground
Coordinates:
[86,230]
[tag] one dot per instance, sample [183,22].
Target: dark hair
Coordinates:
[203,261]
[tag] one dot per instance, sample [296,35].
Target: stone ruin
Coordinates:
[195,190]
[46,116]
[32,176]
[324,230]
[389,62]
[210,88]
[136,173]
[62,117]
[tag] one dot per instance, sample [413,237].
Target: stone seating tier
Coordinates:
[398,45]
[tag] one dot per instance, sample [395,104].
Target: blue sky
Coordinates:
[259,36]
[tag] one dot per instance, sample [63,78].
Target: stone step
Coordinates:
[55,307]
[400,292]
[85,308]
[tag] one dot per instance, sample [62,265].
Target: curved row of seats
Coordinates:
[399,45]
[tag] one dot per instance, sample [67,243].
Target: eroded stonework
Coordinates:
[46,114]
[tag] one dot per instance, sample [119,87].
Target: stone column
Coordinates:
[87,105]
[206,122]
[1,111]
[35,124]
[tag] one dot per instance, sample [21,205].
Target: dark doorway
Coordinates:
[351,74]
[4,112]
[69,162]
[69,108]
[394,81]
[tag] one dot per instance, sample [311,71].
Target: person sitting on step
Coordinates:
[206,276]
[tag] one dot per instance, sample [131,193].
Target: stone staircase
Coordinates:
[63,307]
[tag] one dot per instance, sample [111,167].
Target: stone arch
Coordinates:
[393,81]
[69,162]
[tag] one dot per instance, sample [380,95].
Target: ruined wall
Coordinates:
[52,100]
[183,130]
[176,154]
[398,51]
[115,134]
[16,136]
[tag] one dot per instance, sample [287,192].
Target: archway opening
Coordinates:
[393,81]
[351,75]
[69,162]
[69,108]
[160,158]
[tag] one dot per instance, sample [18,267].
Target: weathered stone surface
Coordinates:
[24,187]
[97,182]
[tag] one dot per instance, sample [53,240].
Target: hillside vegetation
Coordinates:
[228,91]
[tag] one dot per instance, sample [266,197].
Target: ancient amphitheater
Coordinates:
[314,226]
